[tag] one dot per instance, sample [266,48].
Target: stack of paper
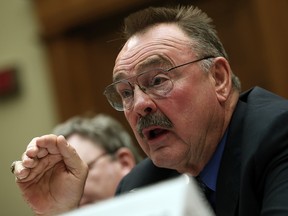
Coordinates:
[177,197]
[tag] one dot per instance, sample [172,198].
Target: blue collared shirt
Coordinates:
[210,172]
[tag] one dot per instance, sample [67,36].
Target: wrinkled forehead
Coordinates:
[162,43]
[151,62]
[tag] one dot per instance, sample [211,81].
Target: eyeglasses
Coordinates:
[155,83]
[94,162]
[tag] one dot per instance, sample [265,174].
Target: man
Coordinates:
[106,147]
[174,83]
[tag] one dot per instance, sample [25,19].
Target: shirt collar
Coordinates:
[210,172]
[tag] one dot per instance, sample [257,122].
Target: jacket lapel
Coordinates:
[228,181]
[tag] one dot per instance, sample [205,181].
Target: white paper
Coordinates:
[176,197]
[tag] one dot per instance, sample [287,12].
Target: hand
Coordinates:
[51,175]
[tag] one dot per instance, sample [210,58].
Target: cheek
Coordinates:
[93,176]
[192,99]
[178,107]
[90,185]
[98,178]
[189,111]
[130,119]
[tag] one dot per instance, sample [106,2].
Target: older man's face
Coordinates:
[190,106]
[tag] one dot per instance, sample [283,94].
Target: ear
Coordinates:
[126,159]
[222,76]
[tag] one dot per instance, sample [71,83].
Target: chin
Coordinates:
[163,162]
[167,159]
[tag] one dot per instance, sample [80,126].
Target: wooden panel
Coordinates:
[272,19]
[56,16]
[82,53]
[81,65]
[254,33]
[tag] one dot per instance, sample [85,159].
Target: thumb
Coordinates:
[71,158]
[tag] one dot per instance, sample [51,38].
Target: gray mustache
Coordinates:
[153,120]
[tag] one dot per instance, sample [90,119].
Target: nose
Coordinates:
[143,103]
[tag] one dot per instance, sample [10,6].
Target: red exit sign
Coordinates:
[8,81]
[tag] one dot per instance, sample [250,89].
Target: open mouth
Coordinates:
[155,133]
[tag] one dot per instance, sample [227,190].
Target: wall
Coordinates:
[32,112]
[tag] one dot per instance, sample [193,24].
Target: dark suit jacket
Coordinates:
[253,175]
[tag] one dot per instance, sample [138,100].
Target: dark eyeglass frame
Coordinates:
[109,96]
[95,160]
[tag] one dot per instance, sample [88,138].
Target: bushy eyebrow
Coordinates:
[151,62]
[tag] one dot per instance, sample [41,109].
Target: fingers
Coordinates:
[33,150]
[38,149]
[19,170]
[45,152]
[48,143]
[41,146]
